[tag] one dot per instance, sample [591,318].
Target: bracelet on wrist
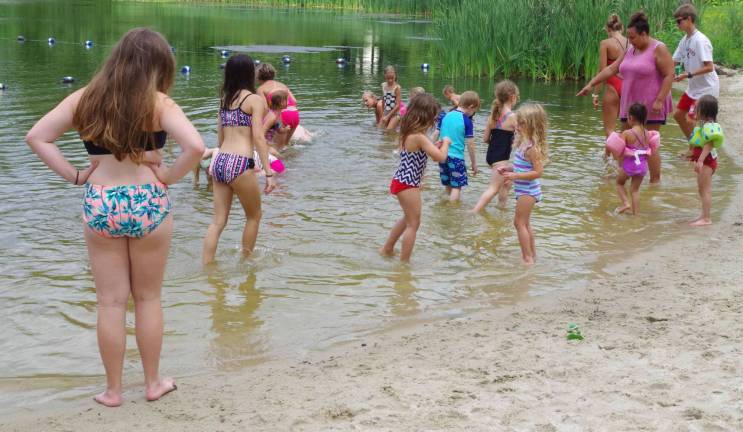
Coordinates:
[270,175]
[689,75]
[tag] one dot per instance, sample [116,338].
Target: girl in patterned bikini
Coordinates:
[391,99]
[415,147]
[528,166]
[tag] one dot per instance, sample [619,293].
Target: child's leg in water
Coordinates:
[394,122]
[407,226]
[621,180]
[635,193]
[704,183]
[524,205]
[496,187]
[455,194]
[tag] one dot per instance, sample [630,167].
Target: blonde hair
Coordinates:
[448,89]
[532,121]
[415,91]
[278,98]
[421,115]
[469,99]
[390,69]
[614,23]
[504,91]
[117,108]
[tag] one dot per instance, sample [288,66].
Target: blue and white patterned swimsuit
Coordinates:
[525,187]
[412,165]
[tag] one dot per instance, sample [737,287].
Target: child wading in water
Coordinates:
[272,121]
[457,126]
[705,139]
[451,95]
[391,99]
[499,135]
[370,100]
[528,166]
[415,147]
[635,161]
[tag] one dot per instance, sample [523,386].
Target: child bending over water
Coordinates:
[272,121]
[499,134]
[527,168]
[370,100]
[451,95]
[415,147]
[705,139]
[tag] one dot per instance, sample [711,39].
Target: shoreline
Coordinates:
[662,351]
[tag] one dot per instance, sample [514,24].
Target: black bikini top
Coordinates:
[160,138]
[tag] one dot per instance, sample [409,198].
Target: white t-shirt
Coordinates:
[693,52]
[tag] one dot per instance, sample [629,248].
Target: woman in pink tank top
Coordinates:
[647,69]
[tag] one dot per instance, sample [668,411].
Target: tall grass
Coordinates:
[543,39]
[724,26]
[407,7]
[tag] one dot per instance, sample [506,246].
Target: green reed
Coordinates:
[543,39]
[407,7]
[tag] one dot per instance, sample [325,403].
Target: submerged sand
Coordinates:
[662,351]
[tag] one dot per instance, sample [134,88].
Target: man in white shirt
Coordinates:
[694,52]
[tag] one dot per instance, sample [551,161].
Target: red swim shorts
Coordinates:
[687,104]
[709,160]
[397,187]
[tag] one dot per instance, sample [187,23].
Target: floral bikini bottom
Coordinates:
[125,211]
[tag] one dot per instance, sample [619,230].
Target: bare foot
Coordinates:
[473,211]
[623,208]
[386,253]
[109,399]
[700,222]
[160,389]
[527,262]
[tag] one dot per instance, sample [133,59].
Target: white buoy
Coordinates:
[88,44]
[186,70]
[68,80]
[222,66]
[256,62]
[21,38]
[425,66]
[286,59]
[172,49]
[3,86]
[340,61]
[51,41]
[225,53]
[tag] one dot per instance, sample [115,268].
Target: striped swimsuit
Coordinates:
[525,187]
[410,171]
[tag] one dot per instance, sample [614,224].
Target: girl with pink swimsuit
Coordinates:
[266,75]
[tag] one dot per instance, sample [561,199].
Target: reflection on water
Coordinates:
[235,321]
[316,277]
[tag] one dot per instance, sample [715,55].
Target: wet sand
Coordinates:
[662,351]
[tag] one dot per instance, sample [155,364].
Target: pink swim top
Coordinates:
[642,82]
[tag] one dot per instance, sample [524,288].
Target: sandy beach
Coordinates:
[662,351]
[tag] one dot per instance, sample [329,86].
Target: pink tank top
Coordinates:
[642,82]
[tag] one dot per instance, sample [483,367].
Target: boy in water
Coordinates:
[694,52]
[451,96]
[457,126]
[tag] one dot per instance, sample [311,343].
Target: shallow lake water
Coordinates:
[316,278]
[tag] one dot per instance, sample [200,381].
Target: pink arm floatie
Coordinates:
[615,144]
[654,140]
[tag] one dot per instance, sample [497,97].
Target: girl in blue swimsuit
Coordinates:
[528,166]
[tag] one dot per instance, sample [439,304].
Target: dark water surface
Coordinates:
[316,278]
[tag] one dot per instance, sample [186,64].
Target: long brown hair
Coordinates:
[504,91]
[117,108]
[421,114]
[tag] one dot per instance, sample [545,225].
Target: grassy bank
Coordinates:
[537,38]
[542,39]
